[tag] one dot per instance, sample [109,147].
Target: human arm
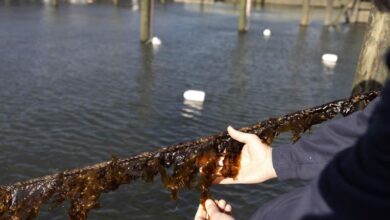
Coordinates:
[354,185]
[302,160]
[360,176]
[308,156]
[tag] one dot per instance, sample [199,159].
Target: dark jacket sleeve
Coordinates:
[354,185]
[308,156]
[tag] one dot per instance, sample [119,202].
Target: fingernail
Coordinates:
[208,202]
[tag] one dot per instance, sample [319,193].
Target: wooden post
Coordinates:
[371,71]
[328,12]
[146,20]
[343,11]
[54,3]
[355,12]
[305,12]
[245,10]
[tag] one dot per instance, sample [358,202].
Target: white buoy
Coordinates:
[155,41]
[194,95]
[267,33]
[134,5]
[329,59]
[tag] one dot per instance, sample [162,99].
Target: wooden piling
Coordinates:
[371,71]
[355,12]
[243,21]
[305,12]
[54,3]
[328,12]
[146,20]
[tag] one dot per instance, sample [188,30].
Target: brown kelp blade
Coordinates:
[187,165]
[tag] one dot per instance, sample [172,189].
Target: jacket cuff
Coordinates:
[283,162]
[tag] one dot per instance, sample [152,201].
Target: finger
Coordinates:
[201,214]
[228,208]
[221,204]
[220,161]
[219,166]
[238,135]
[222,180]
[211,208]
[218,171]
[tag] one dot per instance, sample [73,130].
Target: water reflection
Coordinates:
[328,69]
[145,82]
[241,61]
[191,109]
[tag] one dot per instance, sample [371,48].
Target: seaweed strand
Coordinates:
[187,165]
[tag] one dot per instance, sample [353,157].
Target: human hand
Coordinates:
[256,160]
[217,209]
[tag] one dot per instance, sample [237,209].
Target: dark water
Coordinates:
[76,87]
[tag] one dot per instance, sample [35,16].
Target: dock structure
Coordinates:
[245,10]
[305,13]
[328,12]
[146,20]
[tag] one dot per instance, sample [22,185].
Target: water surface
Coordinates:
[76,86]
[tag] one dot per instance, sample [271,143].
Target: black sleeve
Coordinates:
[308,156]
[356,183]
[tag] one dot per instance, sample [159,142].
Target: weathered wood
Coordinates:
[245,10]
[305,12]
[54,3]
[371,71]
[355,12]
[146,20]
[328,12]
[344,11]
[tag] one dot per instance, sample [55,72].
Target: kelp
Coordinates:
[186,165]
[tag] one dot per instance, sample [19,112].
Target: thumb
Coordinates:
[201,214]
[238,135]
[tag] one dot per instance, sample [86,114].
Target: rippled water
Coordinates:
[76,87]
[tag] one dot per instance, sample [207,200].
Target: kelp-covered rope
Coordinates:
[186,165]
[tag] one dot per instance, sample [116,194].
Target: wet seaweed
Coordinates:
[186,165]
